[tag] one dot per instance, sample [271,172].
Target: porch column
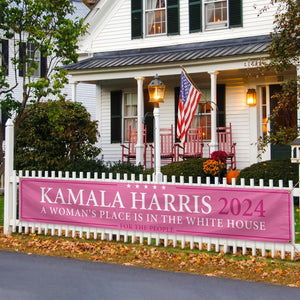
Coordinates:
[74,91]
[140,114]
[213,95]
[99,109]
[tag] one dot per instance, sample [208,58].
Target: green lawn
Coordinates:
[297,218]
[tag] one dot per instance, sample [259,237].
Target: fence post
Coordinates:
[8,171]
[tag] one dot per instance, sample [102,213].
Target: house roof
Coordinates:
[177,53]
[80,10]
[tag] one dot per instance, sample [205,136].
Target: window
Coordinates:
[215,14]
[130,113]
[155,13]
[123,113]
[33,58]
[154,17]
[202,116]
[4,59]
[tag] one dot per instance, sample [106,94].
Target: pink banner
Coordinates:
[224,212]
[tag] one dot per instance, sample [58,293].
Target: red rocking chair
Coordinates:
[193,146]
[129,150]
[167,146]
[225,144]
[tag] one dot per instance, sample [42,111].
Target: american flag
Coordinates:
[189,98]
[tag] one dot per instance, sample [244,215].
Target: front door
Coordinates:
[279,151]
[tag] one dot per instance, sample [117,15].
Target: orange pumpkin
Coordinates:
[232,174]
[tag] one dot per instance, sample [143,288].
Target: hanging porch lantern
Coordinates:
[251,97]
[156,89]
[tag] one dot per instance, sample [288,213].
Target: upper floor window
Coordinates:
[4,59]
[34,57]
[155,14]
[215,14]
[33,60]
[154,17]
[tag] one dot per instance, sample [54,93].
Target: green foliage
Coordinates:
[284,52]
[285,47]
[282,118]
[124,168]
[52,35]
[54,134]
[47,26]
[87,165]
[186,168]
[275,169]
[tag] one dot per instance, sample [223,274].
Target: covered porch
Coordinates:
[224,72]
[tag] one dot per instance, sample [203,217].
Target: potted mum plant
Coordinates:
[216,165]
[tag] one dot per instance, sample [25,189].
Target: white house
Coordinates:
[220,43]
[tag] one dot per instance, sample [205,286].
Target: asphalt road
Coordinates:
[32,277]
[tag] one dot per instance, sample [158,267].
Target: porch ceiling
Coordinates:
[171,54]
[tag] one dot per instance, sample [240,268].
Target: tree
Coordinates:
[285,46]
[284,53]
[54,134]
[37,29]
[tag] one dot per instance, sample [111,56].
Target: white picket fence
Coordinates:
[13,224]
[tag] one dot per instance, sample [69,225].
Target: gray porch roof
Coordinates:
[177,53]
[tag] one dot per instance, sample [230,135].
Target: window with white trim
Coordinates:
[155,16]
[202,117]
[4,53]
[207,15]
[130,113]
[34,60]
[216,14]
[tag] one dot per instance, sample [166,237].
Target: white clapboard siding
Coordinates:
[111,28]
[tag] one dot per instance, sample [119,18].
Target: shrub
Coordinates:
[90,165]
[189,167]
[273,169]
[54,134]
[124,168]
